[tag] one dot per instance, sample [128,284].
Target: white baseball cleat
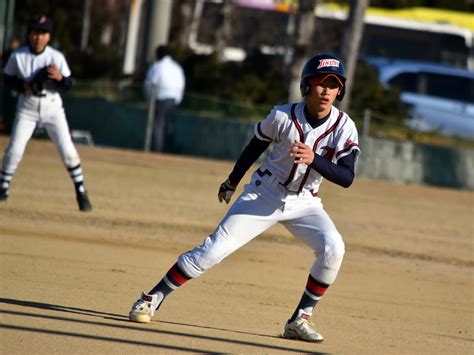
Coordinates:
[144,309]
[302,329]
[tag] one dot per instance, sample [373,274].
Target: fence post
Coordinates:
[151,118]
[365,142]
[366,125]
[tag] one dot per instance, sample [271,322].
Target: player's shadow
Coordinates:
[58,308]
[128,326]
[219,329]
[112,316]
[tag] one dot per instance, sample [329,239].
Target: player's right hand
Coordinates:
[302,153]
[226,190]
[54,73]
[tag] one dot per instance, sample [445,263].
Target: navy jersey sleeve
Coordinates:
[341,173]
[64,84]
[249,155]
[13,83]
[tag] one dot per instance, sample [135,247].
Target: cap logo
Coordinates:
[328,63]
[42,19]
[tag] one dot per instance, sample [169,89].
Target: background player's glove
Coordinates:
[38,81]
[226,190]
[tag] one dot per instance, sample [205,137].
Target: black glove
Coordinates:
[226,190]
[37,83]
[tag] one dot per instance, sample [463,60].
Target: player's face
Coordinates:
[38,40]
[321,96]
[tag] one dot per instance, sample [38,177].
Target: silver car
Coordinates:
[439,97]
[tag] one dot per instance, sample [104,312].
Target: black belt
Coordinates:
[39,95]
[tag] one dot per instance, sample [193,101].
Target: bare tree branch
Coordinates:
[223,33]
[305,26]
[351,43]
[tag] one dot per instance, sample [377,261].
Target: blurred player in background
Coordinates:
[14,45]
[38,73]
[9,97]
[167,76]
[311,140]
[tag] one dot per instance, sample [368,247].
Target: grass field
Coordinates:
[68,279]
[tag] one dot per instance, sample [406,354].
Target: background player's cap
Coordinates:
[315,80]
[41,23]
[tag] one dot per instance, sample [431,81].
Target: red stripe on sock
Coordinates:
[175,275]
[315,287]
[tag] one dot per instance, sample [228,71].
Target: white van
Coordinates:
[439,97]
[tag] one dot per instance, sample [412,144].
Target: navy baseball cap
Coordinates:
[41,23]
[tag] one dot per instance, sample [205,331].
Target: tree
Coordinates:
[304,29]
[350,44]
[86,25]
[223,32]
[181,24]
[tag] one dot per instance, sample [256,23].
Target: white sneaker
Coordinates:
[144,309]
[302,329]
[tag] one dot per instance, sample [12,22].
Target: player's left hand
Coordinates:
[226,190]
[302,153]
[54,73]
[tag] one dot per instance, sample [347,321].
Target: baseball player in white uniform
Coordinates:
[39,72]
[311,140]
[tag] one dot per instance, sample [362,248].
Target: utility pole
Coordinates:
[7,10]
[158,26]
[132,37]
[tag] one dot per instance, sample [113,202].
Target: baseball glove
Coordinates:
[37,84]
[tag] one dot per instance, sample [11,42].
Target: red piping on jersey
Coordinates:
[300,131]
[315,147]
[259,130]
[347,148]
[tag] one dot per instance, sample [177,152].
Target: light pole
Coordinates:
[6,12]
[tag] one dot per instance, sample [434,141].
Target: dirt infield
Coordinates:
[68,279]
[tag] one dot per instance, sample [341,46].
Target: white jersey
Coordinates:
[169,78]
[45,110]
[25,64]
[334,139]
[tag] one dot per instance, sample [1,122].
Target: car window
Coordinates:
[452,87]
[405,82]
[446,86]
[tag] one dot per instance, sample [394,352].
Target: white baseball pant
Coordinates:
[48,112]
[264,203]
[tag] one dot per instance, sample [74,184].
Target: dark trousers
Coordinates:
[163,128]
